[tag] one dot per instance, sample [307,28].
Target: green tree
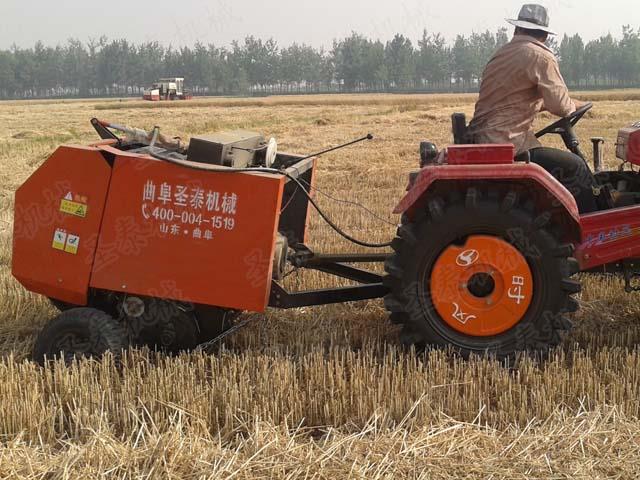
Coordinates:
[292,65]
[628,56]
[600,59]
[349,60]
[25,71]
[572,57]
[483,46]
[8,85]
[75,68]
[376,74]
[434,60]
[400,61]
[259,60]
[151,57]
[464,61]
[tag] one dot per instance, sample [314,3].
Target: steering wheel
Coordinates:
[564,128]
[561,125]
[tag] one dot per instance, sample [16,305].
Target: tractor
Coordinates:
[139,239]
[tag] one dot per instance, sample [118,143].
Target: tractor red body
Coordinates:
[600,238]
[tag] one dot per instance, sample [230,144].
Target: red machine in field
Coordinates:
[167,89]
[142,240]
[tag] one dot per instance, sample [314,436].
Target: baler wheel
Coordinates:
[164,326]
[79,333]
[60,305]
[214,321]
[483,273]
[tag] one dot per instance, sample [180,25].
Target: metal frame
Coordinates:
[370,284]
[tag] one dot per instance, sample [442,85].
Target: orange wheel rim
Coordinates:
[483,288]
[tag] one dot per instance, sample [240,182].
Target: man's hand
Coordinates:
[579,104]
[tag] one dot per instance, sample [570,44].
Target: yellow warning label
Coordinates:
[59,239]
[73,208]
[72,244]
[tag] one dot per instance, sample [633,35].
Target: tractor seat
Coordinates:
[460,129]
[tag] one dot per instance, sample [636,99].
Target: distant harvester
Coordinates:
[167,89]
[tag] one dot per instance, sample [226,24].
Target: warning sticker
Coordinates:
[66,242]
[72,244]
[74,205]
[73,208]
[59,239]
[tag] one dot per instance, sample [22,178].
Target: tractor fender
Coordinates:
[548,192]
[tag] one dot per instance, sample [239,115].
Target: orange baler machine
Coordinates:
[142,240]
[98,218]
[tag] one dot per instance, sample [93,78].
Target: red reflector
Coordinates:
[480,154]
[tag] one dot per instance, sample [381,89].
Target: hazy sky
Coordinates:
[183,22]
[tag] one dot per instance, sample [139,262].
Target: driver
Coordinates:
[522,79]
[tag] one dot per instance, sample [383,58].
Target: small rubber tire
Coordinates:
[447,220]
[88,331]
[60,305]
[214,321]
[164,327]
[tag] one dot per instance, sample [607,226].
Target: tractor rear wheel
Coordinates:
[79,333]
[481,272]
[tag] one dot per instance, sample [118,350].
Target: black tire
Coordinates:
[164,326]
[213,321]
[500,213]
[79,332]
[60,305]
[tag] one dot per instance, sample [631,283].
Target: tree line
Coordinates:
[356,63]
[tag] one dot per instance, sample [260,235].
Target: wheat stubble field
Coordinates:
[316,392]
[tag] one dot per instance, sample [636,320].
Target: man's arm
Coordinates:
[545,72]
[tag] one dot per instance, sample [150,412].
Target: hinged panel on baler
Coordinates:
[196,235]
[56,223]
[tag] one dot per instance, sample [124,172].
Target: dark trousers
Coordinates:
[572,172]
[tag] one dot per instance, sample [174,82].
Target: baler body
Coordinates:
[99,218]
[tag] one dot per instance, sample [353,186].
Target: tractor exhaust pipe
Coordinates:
[598,152]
